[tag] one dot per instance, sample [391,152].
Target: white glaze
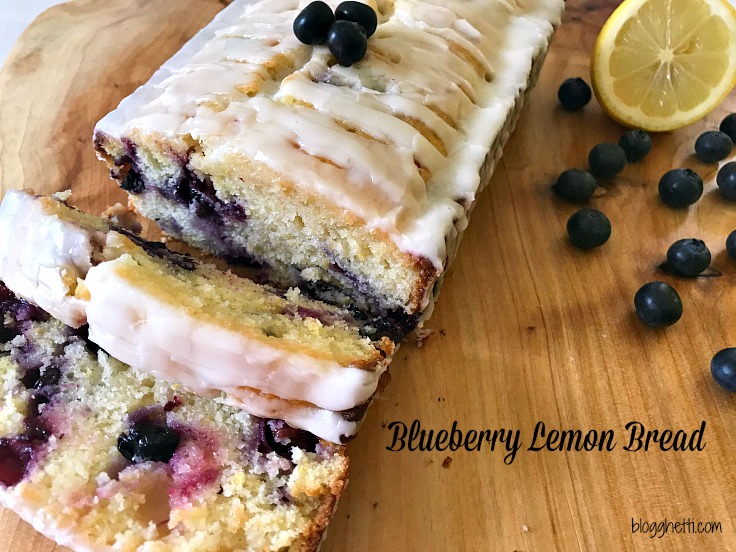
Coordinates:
[149,334]
[41,256]
[409,67]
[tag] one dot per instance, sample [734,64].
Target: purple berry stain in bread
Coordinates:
[39,373]
[195,465]
[12,463]
[16,314]
[18,453]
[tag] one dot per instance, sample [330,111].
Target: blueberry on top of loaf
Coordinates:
[352,182]
[271,352]
[228,481]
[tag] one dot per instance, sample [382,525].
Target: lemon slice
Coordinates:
[663,64]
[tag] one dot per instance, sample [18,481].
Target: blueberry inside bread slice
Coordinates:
[98,456]
[270,352]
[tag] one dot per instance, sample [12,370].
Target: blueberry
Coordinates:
[606,160]
[133,183]
[574,94]
[658,305]
[636,145]
[347,42]
[723,368]
[34,379]
[688,257]
[313,23]
[146,441]
[728,126]
[680,187]
[575,185]
[726,180]
[588,228]
[359,13]
[712,146]
[731,245]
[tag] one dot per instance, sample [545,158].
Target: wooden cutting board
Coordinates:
[527,328]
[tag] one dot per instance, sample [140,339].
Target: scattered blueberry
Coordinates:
[146,441]
[731,245]
[713,146]
[636,144]
[588,228]
[347,42]
[723,368]
[574,94]
[688,257]
[359,13]
[606,160]
[726,180]
[313,23]
[575,185]
[658,305]
[680,187]
[728,126]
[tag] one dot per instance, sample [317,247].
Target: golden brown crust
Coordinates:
[426,277]
[313,536]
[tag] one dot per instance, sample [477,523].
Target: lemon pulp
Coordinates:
[663,64]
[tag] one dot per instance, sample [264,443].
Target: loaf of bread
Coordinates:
[352,183]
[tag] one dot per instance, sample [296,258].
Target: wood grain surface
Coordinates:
[527,328]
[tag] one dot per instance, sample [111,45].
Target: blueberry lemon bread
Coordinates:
[352,183]
[273,354]
[98,456]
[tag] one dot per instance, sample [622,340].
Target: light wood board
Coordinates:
[528,329]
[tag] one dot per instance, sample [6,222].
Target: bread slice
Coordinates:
[100,457]
[272,353]
[352,183]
